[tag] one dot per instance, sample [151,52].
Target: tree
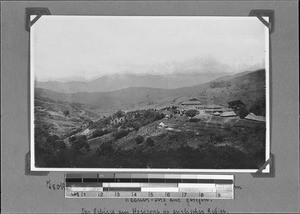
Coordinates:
[242,113]
[159,116]
[106,120]
[134,125]
[66,112]
[139,139]
[259,108]
[121,133]
[87,147]
[79,142]
[119,114]
[149,142]
[239,108]
[99,133]
[55,143]
[191,113]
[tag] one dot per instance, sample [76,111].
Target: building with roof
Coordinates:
[228,114]
[213,106]
[85,132]
[254,117]
[161,125]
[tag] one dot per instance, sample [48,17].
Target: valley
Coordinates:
[143,127]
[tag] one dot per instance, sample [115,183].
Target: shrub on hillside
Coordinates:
[99,133]
[149,142]
[54,142]
[191,113]
[139,139]
[119,114]
[79,142]
[106,121]
[159,116]
[66,112]
[121,133]
[194,120]
[134,125]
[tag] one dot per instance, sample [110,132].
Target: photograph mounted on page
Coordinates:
[149,93]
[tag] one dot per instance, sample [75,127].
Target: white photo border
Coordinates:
[159,170]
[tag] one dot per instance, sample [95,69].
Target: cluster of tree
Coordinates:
[50,150]
[239,108]
[219,84]
[118,114]
[106,120]
[132,121]
[149,141]
[173,109]
[55,143]
[141,118]
[120,133]
[131,124]
[191,112]
[99,133]
[259,107]
[66,112]
[194,120]
[139,139]
[79,142]
[49,144]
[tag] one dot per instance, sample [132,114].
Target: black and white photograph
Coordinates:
[149,93]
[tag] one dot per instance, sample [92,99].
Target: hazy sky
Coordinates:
[85,47]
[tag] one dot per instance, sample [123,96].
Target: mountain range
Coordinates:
[121,81]
[247,86]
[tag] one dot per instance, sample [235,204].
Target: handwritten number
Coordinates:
[117,194]
[184,194]
[167,194]
[151,194]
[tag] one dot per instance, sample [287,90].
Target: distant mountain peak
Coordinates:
[120,81]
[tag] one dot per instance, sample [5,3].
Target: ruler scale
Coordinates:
[124,185]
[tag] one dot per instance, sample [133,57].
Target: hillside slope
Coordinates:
[68,132]
[249,87]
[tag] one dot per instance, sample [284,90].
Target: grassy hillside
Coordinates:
[54,122]
[215,143]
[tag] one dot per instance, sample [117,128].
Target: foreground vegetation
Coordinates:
[137,142]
